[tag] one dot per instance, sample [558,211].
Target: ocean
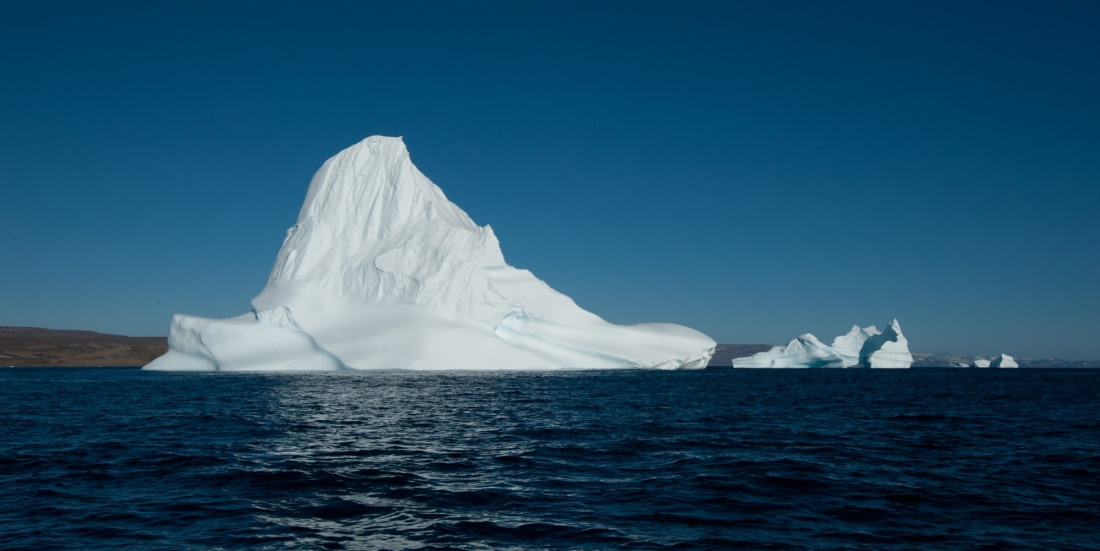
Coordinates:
[104,458]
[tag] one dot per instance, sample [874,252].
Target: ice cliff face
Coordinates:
[382,271]
[866,347]
[890,349]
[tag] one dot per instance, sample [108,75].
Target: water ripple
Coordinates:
[754,459]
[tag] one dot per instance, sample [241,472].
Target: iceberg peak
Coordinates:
[363,207]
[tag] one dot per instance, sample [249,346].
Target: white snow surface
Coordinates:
[980,363]
[382,271]
[866,347]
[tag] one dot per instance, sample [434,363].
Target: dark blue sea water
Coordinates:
[765,459]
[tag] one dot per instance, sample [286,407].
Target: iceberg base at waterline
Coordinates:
[395,336]
[862,347]
[382,271]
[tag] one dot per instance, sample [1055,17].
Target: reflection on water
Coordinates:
[696,460]
[415,448]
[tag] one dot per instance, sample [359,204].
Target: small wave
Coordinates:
[853,460]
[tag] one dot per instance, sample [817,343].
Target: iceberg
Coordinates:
[803,351]
[866,347]
[1003,361]
[382,271]
[889,349]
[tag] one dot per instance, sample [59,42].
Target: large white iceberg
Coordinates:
[381,271]
[866,347]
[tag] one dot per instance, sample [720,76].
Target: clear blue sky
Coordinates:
[753,169]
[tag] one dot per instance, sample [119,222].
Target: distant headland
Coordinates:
[40,347]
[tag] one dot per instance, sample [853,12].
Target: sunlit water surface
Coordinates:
[770,459]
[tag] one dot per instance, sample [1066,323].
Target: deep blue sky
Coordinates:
[753,169]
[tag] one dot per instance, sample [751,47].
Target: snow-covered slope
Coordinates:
[381,271]
[865,347]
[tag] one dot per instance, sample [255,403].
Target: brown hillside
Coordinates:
[38,347]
